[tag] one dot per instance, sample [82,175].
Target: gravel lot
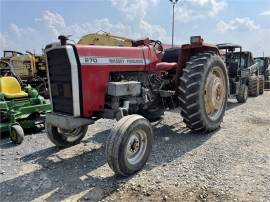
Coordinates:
[231,164]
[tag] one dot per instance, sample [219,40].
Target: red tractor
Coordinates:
[134,85]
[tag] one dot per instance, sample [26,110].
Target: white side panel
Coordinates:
[48,77]
[94,60]
[75,81]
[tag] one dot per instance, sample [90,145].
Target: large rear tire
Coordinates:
[261,84]
[129,145]
[203,92]
[65,138]
[253,86]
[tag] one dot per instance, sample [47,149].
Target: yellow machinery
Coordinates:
[26,65]
[105,39]
[30,67]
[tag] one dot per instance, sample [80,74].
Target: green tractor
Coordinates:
[19,108]
[264,69]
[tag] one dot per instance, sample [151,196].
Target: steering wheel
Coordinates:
[157,42]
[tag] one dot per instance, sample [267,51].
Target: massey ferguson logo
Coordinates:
[113,61]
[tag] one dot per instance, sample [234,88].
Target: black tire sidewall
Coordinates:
[124,165]
[254,86]
[242,97]
[261,84]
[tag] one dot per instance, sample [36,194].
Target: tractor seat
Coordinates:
[11,88]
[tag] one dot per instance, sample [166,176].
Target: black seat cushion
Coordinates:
[171,55]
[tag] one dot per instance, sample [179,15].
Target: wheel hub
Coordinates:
[214,92]
[215,89]
[136,147]
[134,144]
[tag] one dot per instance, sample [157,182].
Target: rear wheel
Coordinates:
[261,84]
[242,95]
[65,138]
[203,92]
[16,134]
[253,86]
[129,145]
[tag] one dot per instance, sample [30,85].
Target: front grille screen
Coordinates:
[60,81]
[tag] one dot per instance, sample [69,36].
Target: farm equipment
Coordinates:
[19,108]
[30,67]
[105,39]
[264,69]
[242,71]
[9,54]
[133,85]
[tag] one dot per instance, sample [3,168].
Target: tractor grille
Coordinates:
[60,81]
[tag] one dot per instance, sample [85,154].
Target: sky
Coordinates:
[28,25]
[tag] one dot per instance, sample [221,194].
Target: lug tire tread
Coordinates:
[189,91]
[115,139]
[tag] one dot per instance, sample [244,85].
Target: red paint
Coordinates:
[95,77]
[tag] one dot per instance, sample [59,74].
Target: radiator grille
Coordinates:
[60,80]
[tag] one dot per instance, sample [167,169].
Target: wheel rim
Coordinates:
[215,92]
[70,135]
[136,147]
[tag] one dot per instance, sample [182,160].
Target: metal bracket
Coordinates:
[67,122]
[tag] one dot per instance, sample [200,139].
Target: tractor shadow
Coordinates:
[87,174]
[231,104]
[7,143]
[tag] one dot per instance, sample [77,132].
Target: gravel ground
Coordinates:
[231,164]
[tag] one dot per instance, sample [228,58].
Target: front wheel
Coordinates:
[203,92]
[242,95]
[129,145]
[16,134]
[65,138]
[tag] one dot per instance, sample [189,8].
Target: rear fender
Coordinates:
[187,50]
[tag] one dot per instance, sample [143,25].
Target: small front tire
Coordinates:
[129,145]
[66,138]
[16,134]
